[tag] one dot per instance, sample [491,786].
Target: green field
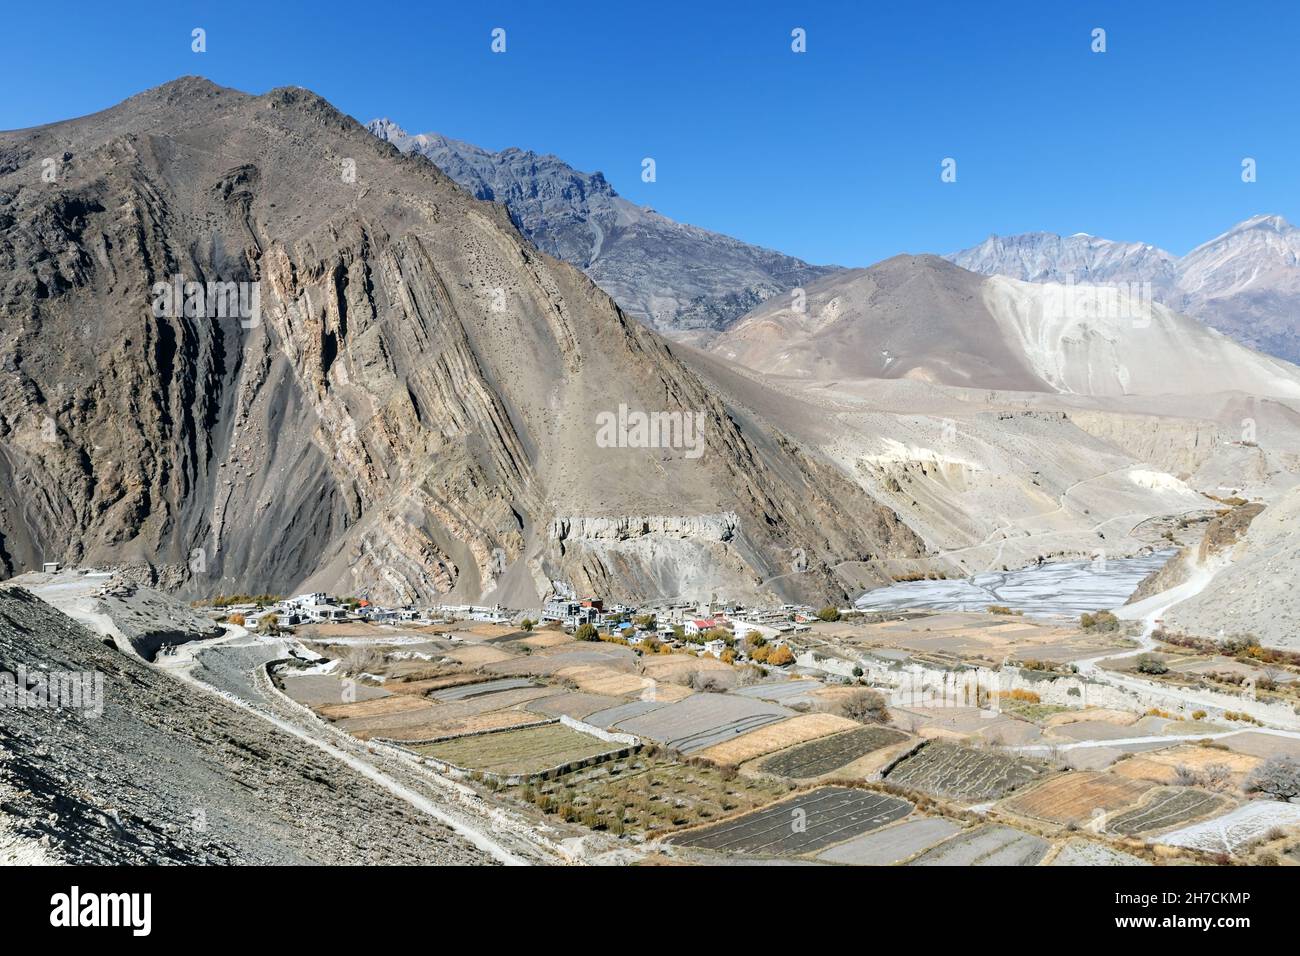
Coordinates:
[526,751]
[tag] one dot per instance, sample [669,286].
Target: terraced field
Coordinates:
[703,720]
[948,770]
[1076,798]
[1237,828]
[638,794]
[829,754]
[801,824]
[990,845]
[530,750]
[1168,807]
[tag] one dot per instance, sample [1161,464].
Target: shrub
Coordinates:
[1198,715]
[829,613]
[1277,777]
[864,706]
[1101,621]
[1150,664]
[586,632]
[528,624]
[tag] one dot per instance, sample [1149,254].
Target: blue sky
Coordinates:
[833,155]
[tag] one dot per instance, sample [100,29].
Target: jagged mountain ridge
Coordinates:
[679,279]
[414,413]
[1245,282]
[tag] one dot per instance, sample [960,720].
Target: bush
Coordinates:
[1150,664]
[829,613]
[1277,777]
[864,706]
[1101,621]
[586,632]
[1198,715]
[528,624]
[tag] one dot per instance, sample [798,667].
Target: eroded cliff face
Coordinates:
[410,409]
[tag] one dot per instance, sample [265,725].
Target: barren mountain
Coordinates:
[412,409]
[167,774]
[681,280]
[920,317]
[1245,282]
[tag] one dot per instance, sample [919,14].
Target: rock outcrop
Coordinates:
[681,280]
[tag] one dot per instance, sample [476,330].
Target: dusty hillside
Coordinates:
[920,317]
[413,412]
[167,774]
[1254,592]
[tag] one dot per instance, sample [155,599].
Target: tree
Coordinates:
[1150,664]
[1278,777]
[780,656]
[586,632]
[269,624]
[645,621]
[857,671]
[1101,621]
[528,624]
[237,619]
[829,613]
[865,706]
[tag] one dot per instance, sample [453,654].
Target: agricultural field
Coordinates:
[777,736]
[962,773]
[526,751]
[647,795]
[467,691]
[1235,830]
[703,720]
[990,845]
[800,824]
[1086,853]
[1166,766]
[1168,807]
[892,844]
[820,757]
[1076,798]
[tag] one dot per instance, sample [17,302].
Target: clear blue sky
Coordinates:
[833,155]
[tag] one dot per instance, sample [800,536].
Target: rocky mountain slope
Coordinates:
[169,774]
[411,411]
[922,318]
[1245,282]
[680,280]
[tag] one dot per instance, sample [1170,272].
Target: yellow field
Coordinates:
[379,707]
[598,679]
[774,737]
[1162,765]
[1075,798]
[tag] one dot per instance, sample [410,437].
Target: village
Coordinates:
[729,632]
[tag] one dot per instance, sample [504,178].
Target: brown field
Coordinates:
[476,655]
[600,679]
[380,707]
[422,687]
[675,668]
[1162,766]
[776,737]
[1120,718]
[1076,797]
[540,639]
[451,726]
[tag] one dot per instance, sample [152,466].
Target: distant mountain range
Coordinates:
[925,319]
[681,280]
[1245,282]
